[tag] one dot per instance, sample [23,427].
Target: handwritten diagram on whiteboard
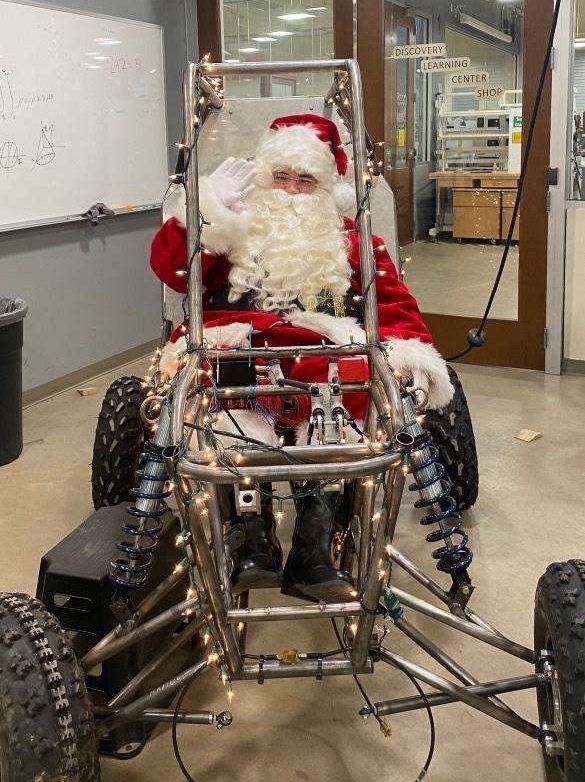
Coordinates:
[82,114]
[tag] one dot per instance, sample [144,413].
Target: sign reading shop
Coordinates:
[443,66]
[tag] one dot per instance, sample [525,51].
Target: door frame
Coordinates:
[403,176]
[518,343]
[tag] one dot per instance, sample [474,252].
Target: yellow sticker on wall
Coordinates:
[401,137]
[516,137]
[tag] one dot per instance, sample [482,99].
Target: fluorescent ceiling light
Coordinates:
[482,27]
[296,17]
[281,33]
[579,43]
[249,50]
[106,41]
[317,8]
[263,38]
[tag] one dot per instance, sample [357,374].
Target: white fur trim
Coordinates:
[345,200]
[339,330]
[251,422]
[171,356]
[425,365]
[299,148]
[234,335]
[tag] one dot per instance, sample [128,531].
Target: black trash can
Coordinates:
[12,312]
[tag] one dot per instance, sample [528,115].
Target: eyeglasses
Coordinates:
[305,182]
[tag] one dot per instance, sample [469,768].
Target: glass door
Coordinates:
[449,90]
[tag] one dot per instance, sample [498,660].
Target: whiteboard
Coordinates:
[82,114]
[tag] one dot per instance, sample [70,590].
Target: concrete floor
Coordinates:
[530,513]
[453,278]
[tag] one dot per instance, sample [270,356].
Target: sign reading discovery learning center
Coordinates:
[420,50]
[449,64]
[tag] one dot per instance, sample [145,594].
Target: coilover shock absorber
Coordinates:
[454,556]
[143,530]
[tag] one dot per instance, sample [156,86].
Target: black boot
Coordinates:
[258,561]
[310,571]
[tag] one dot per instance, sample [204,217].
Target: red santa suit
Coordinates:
[258,279]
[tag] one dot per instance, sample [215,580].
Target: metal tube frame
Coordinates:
[218,610]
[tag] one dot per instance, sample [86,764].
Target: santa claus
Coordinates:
[281,265]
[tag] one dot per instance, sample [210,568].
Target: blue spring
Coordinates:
[131,570]
[456,557]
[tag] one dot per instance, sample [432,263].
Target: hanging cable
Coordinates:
[372,708]
[476,337]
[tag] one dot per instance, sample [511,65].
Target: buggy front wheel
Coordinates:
[559,642]
[119,440]
[453,435]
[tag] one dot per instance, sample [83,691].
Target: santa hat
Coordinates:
[308,143]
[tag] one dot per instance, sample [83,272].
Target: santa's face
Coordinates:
[295,247]
[292,182]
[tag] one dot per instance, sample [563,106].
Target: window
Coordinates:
[268,30]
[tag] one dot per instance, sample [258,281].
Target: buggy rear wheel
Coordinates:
[559,633]
[452,432]
[46,719]
[119,440]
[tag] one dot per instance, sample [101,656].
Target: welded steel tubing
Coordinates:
[406,564]
[465,626]
[186,378]
[461,694]
[144,608]
[485,690]
[364,224]
[273,669]
[183,717]
[133,710]
[256,68]
[268,352]
[168,650]
[391,389]
[374,584]
[212,589]
[98,655]
[195,282]
[218,543]
[212,96]
[295,472]
[281,613]
[244,392]
[292,454]
[440,656]
[242,601]
[365,523]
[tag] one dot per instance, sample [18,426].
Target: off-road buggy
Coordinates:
[141,628]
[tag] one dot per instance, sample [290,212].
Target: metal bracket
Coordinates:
[248,501]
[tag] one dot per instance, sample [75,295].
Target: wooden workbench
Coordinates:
[477,180]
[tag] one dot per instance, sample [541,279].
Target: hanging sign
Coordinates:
[489,93]
[469,79]
[420,50]
[449,64]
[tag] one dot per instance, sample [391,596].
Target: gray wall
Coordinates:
[90,292]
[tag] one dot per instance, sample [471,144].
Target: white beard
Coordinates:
[294,249]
